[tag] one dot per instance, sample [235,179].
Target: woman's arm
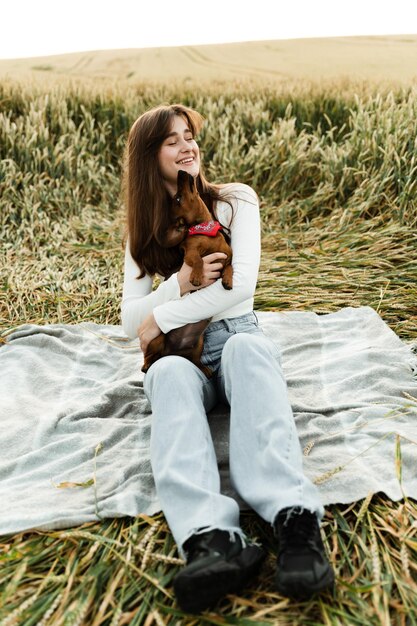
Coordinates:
[138,299]
[214,299]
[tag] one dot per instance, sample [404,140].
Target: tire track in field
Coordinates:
[201,59]
[81,64]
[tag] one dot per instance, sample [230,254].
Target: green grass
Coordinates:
[335,170]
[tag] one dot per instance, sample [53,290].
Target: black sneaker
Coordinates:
[303,568]
[216,566]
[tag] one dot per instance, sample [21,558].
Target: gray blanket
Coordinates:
[75,423]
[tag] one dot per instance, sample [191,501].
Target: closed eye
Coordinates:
[172,142]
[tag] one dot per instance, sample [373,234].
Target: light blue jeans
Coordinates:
[264,451]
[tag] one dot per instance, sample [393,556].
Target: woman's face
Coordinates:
[179,151]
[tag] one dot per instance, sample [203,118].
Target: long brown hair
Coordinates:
[146,199]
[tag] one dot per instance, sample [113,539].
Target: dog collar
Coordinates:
[210,228]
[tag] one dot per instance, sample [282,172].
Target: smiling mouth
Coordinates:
[186,161]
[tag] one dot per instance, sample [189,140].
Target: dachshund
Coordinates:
[197,234]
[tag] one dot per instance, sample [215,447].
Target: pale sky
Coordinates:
[44,27]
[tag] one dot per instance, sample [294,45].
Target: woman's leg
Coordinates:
[203,521]
[265,454]
[183,460]
[266,462]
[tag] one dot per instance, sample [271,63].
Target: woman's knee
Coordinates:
[246,345]
[243,342]
[170,370]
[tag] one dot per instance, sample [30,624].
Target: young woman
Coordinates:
[265,455]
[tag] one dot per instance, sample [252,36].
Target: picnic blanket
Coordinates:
[75,423]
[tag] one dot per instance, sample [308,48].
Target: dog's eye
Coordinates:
[178,200]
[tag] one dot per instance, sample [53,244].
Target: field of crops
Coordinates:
[384,58]
[335,168]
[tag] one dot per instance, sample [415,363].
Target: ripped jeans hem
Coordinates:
[233,531]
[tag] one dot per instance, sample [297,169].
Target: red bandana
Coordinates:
[205,228]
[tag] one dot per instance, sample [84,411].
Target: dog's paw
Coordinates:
[195,281]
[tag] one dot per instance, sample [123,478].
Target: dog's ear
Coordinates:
[175,234]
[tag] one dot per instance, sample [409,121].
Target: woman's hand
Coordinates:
[147,331]
[211,272]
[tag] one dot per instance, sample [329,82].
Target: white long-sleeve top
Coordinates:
[172,310]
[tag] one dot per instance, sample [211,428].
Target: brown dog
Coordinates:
[198,235]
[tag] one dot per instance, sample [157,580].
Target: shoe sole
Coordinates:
[199,591]
[297,590]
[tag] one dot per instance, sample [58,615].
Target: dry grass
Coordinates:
[335,171]
[120,572]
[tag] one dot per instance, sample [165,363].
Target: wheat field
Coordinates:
[334,164]
[390,58]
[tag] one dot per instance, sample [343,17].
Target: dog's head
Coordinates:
[188,209]
[187,204]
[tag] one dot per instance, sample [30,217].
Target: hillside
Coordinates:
[392,58]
